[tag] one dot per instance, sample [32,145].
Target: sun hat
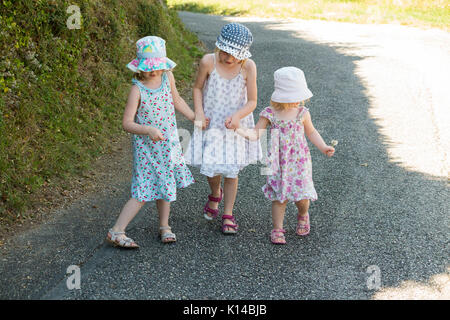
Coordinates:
[151,55]
[290,86]
[235,39]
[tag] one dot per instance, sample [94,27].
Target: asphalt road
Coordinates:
[382,212]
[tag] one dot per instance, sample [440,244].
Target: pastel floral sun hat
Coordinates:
[290,86]
[236,40]
[151,55]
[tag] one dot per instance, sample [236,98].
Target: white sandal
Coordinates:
[118,241]
[167,237]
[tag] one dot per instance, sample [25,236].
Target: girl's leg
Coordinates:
[163,207]
[127,214]
[230,186]
[278,211]
[214,184]
[303,207]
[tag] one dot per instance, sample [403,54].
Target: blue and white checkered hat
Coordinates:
[236,40]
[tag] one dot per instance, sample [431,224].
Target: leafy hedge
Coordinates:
[63,91]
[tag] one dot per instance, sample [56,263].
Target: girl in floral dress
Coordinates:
[290,169]
[225,95]
[158,163]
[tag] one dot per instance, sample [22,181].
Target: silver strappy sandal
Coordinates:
[167,237]
[118,241]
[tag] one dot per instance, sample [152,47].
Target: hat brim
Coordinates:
[283,97]
[237,53]
[151,64]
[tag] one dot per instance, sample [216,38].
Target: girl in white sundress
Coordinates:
[225,95]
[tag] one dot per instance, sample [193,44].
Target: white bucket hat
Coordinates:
[290,86]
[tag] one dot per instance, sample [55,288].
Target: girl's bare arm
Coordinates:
[255,133]
[203,71]
[315,137]
[252,95]
[178,102]
[128,123]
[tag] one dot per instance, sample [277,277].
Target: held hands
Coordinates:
[201,122]
[154,134]
[232,122]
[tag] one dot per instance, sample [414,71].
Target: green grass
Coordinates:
[419,13]
[63,91]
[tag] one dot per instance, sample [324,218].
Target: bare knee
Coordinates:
[302,204]
[137,202]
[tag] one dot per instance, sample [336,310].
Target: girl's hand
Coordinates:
[232,122]
[155,135]
[201,122]
[207,120]
[328,151]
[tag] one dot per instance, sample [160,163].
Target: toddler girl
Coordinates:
[289,158]
[158,164]
[225,94]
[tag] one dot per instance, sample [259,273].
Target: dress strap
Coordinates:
[139,84]
[136,82]
[164,81]
[242,67]
[302,112]
[267,113]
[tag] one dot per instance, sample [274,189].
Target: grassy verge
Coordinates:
[419,13]
[63,91]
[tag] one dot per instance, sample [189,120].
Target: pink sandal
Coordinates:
[226,226]
[305,226]
[214,212]
[277,236]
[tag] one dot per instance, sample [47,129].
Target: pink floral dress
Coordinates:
[289,160]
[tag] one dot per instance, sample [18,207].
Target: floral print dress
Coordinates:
[218,150]
[158,167]
[289,160]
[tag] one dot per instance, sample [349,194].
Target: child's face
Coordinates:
[152,74]
[227,58]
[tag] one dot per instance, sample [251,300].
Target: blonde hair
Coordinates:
[240,61]
[289,105]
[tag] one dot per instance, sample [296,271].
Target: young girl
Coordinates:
[289,158]
[158,163]
[225,94]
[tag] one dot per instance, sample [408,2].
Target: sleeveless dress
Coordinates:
[158,167]
[218,150]
[289,160]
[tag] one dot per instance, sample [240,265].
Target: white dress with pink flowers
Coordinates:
[289,160]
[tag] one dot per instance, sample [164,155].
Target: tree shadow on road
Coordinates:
[371,211]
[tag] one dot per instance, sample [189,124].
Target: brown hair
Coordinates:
[140,76]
